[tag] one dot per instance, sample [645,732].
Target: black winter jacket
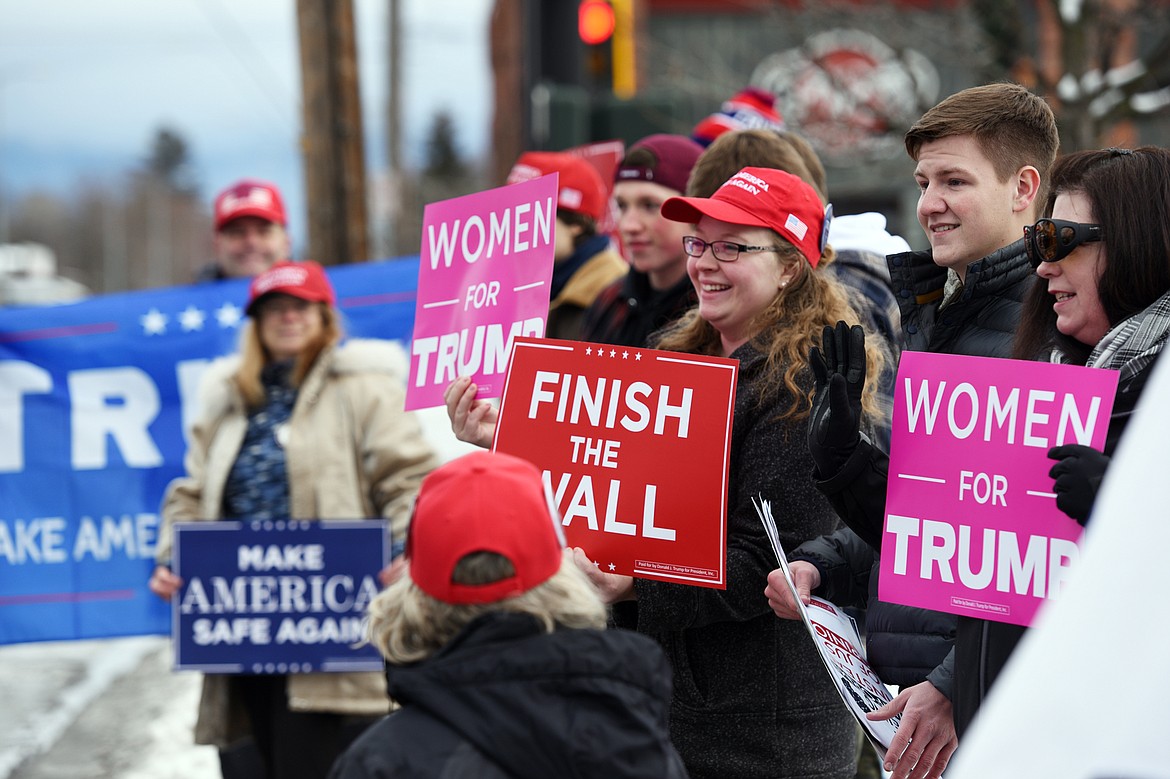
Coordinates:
[752,698]
[629,310]
[505,699]
[981,322]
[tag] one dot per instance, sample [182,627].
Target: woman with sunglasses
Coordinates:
[1102,293]
[751,696]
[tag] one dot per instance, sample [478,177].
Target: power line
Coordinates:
[250,57]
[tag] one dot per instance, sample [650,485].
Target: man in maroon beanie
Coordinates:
[656,290]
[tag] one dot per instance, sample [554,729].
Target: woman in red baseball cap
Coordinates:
[296,426]
[751,696]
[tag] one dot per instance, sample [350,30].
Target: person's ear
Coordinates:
[788,274]
[1027,184]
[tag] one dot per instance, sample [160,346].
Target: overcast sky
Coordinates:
[84,85]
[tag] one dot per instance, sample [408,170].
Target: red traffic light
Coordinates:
[595,21]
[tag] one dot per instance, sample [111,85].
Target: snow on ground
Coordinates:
[108,709]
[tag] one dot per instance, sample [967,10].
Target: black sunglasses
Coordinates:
[1051,240]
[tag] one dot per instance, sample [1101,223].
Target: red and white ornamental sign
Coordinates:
[634,446]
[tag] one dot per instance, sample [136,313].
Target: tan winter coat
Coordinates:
[352,452]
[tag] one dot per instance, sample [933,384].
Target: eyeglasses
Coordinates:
[724,251]
[1051,240]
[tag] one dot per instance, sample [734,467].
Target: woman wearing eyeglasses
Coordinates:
[1102,293]
[751,696]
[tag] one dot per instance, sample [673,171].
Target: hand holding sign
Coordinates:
[805,577]
[472,420]
[925,739]
[612,587]
[1078,474]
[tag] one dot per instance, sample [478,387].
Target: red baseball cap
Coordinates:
[483,502]
[761,197]
[579,186]
[305,280]
[249,197]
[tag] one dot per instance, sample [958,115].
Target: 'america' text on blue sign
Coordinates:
[285,596]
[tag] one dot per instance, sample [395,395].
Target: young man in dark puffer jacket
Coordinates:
[982,157]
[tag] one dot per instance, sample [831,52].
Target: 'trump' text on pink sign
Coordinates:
[971,524]
[483,281]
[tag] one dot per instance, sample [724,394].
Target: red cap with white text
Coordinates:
[761,197]
[579,185]
[249,198]
[305,280]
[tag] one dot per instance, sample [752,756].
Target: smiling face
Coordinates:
[732,294]
[287,325]
[964,208]
[1074,282]
[248,246]
[652,243]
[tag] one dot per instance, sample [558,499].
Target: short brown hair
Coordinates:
[733,151]
[812,161]
[1012,126]
[587,224]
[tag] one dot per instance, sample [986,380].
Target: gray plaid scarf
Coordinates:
[1133,344]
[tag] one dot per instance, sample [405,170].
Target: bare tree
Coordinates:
[1101,63]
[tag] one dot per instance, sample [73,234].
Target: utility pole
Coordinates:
[396,190]
[335,179]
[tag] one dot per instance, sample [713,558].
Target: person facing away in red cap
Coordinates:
[250,231]
[496,647]
[296,426]
[751,696]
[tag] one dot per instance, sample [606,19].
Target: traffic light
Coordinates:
[595,21]
[606,27]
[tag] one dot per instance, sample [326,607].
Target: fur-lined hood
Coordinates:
[351,357]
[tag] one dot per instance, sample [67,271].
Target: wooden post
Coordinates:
[335,180]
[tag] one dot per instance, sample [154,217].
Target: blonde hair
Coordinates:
[407,625]
[785,331]
[254,355]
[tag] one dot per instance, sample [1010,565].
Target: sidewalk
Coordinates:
[107,708]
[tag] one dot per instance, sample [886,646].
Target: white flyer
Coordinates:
[836,636]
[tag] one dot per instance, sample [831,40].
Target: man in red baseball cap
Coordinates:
[250,231]
[585,263]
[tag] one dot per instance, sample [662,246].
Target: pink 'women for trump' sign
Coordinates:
[971,523]
[483,281]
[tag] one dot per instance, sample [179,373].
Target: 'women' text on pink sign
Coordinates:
[483,281]
[971,523]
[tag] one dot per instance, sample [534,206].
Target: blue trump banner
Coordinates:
[276,596]
[95,397]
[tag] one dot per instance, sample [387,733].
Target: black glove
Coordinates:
[833,425]
[1078,475]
